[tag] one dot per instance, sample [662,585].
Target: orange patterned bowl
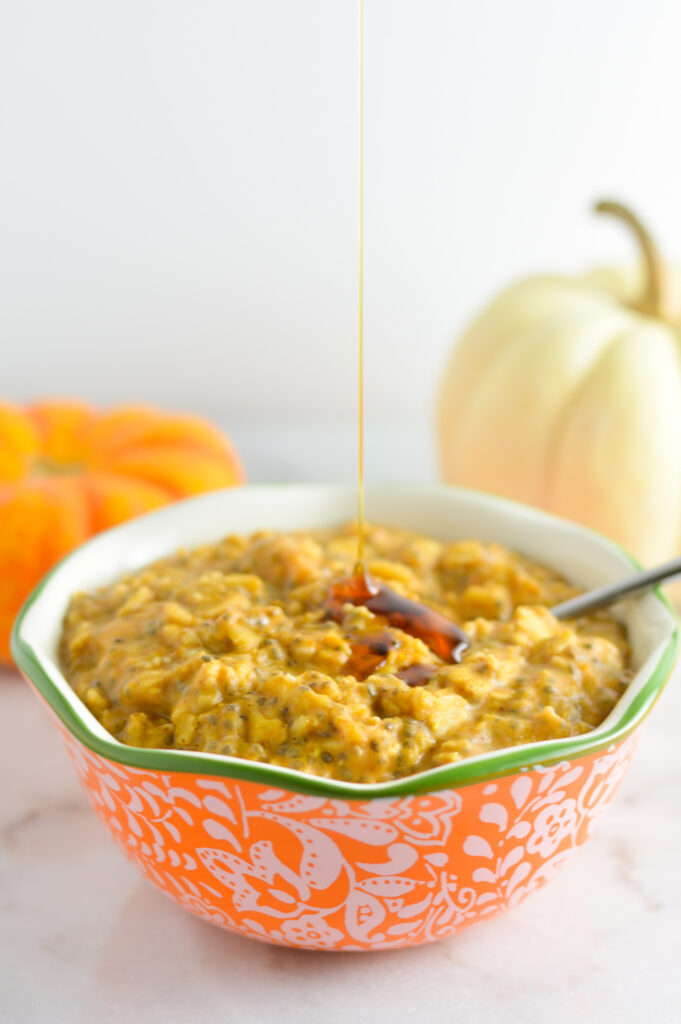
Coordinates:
[297,860]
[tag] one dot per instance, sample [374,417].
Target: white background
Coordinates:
[177,224]
[178,187]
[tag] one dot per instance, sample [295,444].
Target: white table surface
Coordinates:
[84,938]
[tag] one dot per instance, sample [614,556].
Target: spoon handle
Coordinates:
[616,591]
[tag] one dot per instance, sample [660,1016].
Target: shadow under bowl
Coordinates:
[294,859]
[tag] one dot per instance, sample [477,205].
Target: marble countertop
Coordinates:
[83,937]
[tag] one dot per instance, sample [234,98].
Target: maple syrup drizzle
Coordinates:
[443,636]
[417,675]
[369,652]
[360,299]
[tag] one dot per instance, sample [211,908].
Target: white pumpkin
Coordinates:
[566,393]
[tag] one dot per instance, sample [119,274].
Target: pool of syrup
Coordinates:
[442,636]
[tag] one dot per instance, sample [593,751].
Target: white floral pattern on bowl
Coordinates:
[300,860]
[324,873]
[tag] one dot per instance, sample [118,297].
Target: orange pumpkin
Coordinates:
[68,471]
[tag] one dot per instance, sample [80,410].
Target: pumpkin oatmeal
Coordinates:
[229,649]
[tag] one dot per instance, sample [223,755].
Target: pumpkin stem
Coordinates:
[653,300]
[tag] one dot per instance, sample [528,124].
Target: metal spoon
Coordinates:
[594,599]
[430,625]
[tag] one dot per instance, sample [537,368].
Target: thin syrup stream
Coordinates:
[443,637]
[360,297]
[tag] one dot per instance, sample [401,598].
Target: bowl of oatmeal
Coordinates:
[303,770]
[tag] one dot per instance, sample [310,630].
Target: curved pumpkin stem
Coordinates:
[653,300]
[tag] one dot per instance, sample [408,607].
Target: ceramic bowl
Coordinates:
[293,859]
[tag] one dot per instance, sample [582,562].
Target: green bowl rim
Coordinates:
[484,767]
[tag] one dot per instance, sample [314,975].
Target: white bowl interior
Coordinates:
[585,558]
